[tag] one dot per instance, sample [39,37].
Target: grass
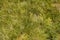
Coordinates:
[29,20]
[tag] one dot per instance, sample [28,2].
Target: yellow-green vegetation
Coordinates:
[29,20]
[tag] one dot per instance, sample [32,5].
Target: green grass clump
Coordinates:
[29,20]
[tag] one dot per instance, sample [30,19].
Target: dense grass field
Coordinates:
[29,20]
